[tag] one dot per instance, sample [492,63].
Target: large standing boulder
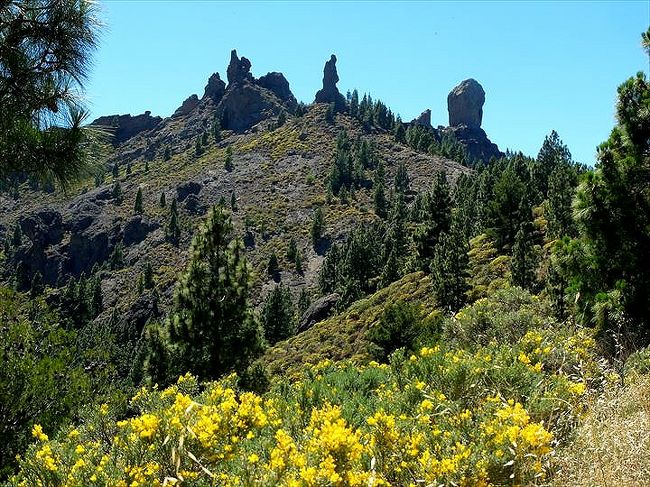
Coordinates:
[465,104]
[278,84]
[424,119]
[330,93]
[318,311]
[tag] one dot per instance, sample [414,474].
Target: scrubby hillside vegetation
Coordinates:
[255,291]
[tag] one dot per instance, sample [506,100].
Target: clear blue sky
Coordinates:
[544,65]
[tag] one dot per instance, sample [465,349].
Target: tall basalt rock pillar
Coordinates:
[330,93]
[465,104]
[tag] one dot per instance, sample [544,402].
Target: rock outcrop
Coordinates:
[278,84]
[124,127]
[330,93]
[424,119]
[215,88]
[187,106]
[238,69]
[465,104]
[318,311]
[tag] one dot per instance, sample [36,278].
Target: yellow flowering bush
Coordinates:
[439,416]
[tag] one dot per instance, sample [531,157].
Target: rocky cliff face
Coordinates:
[329,93]
[124,127]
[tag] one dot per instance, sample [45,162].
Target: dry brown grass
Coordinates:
[612,445]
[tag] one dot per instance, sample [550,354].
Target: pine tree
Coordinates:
[167,155]
[278,315]
[561,188]
[233,202]
[216,129]
[212,329]
[524,258]
[163,202]
[17,237]
[138,207]
[116,170]
[117,193]
[228,164]
[198,147]
[379,196]
[400,132]
[317,227]
[146,166]
[436,217]
[282,119]
[140,284]
[97,299]
[116,260]
[303,301]
[148,276]
[45,57]
[354,103]
[401,183]
[204,138]
[129,169]
[292,250]
[298,262]
[173,227]
[329,113]
[449,270]
[37,286]
[273,267]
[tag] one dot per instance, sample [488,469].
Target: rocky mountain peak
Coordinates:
[215,87]
[238,69]
[423,119]
[465,104]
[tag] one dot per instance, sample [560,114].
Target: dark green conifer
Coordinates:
[117,193]
[278,315]
[449,270]
[317,226]
[138,207]
[228,164]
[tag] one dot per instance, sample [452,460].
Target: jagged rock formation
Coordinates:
[330,93]
[190,103]
[465,104]
[424,119]
[215,88]
[238,69]
[124,127]
[318,311]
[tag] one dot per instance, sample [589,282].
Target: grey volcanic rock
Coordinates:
[318,311]
[215,88]
[424,119]
[124,127]
[137,229]
[188,105]
[330,93]
[465,104]
[476,142]
[246,105]
[186,189]
[278,84]
[238,69]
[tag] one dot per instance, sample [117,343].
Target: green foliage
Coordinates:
[167,155]
[292,250]
[505,316]
[198,147]
[273,267]
[228,163]
[117,193]
[17,236]
[487,271]
[138,207]
[379,193]
[162,201]
[400,326]
[525,258]
[116,170]
[233,202]
[45,54]
[212,329]
[401,183]
[148,279]
[298,262]
[304,301]
[116,260]
[173,230]
[449,270]
[329,113]
[608,265]
[46,376]
[278,315]
[435,219]
[341,175]
[561,188]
